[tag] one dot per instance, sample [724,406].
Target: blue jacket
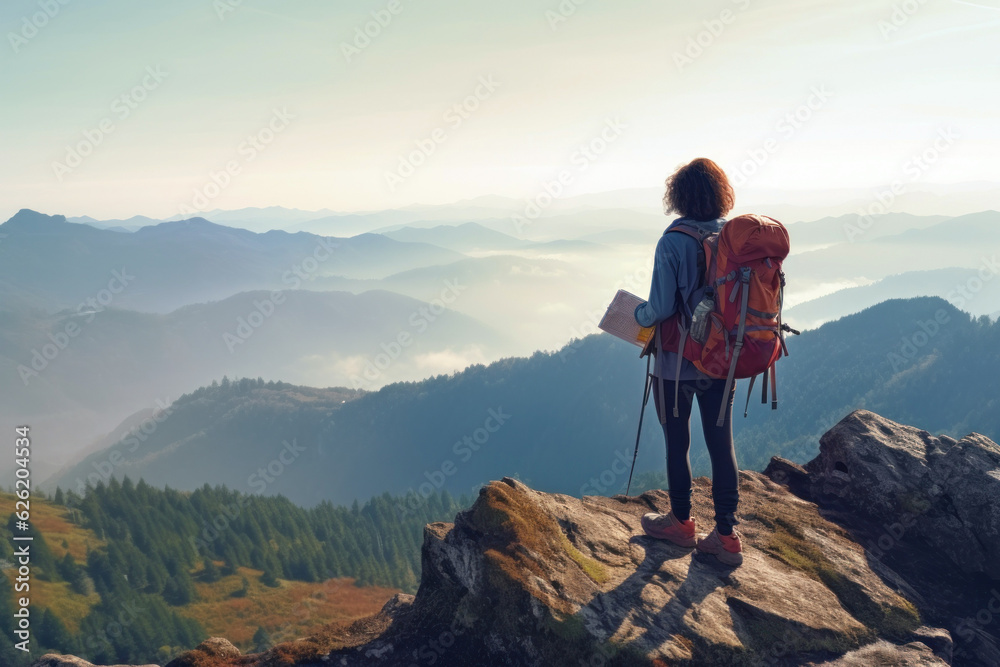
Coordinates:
[675,278]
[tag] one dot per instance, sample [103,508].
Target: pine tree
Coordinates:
[229,567]
[210,574]
[179,589]
[261,640]
[269,579]
[67,567]
[244,590]
[53,634]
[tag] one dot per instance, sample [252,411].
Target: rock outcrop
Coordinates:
[926,509]
[946,492]
[530,578]
[52,660]
[212,651]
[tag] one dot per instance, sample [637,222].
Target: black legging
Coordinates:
[677,431]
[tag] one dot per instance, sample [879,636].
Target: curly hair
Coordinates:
[699,190]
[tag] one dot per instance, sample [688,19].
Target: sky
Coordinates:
[113,108]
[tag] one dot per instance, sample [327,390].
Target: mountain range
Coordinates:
[789,206]
[120,361]
[174,264]
[881,550]
[120,321]
[562,421]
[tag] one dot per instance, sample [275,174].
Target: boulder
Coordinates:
[213,651]
[53,660]
[914,654]
[941,491]
[530,578]
[927,511]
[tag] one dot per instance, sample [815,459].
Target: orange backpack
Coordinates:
[735,328]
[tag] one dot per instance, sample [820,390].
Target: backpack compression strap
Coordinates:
[699,236]
[745,288]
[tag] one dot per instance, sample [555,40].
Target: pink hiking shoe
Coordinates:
[727,548]
[669,527]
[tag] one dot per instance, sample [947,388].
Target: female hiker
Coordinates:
[702,195]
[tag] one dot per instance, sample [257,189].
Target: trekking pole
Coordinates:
[645,399]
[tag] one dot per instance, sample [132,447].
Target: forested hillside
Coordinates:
[562,421]
[130,551]
[915,361]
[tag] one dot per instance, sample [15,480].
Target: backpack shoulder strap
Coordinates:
[699,235]
[696,233]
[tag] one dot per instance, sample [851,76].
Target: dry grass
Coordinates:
[294,609]
[521,540]
[52,522]
[895,619]
[70,607]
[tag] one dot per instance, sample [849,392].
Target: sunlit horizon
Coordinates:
[113,109]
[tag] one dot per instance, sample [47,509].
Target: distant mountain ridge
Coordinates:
[461,238]
[962,242]
[563,421]
[953,285]
[789,206]
[121,361]
[183,262]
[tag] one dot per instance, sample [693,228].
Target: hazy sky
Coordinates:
[883,88]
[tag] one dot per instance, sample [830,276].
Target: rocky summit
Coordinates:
[881,551]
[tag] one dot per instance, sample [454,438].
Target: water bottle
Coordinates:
[701,317]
